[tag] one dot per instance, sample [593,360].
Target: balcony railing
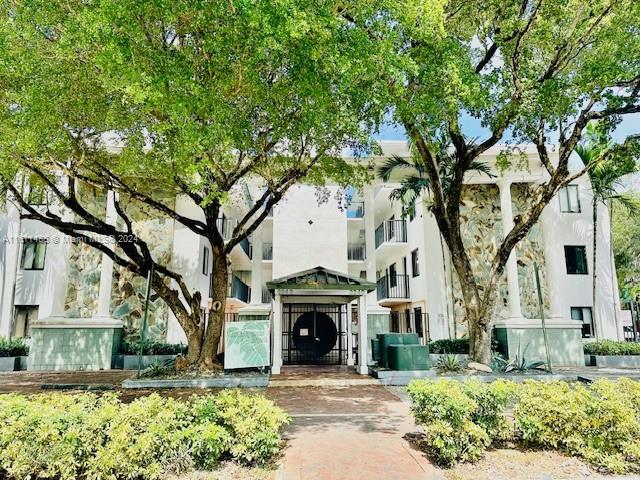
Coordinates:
[355,210]
[410,322]
[267,251]
[266,295]
[238,289]
[393,286]
[356,251]
[391,231]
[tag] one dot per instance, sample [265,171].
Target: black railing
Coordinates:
[410,322]
[267,251]
[356,251]
[266,295]
[355,210]
[391,231]
[238,289]
[393,286]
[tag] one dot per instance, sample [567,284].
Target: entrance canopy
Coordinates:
[320,281]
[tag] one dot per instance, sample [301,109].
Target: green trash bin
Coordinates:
[375,350]
[408,357]
[387,339]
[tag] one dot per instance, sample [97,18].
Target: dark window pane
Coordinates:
[576,259]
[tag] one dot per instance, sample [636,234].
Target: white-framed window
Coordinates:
[205,261]
[569,199]
[23,318]
[415,266]
[584,315]
[33,254]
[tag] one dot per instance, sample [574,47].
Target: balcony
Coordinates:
[391,231]
[356,252]
[355,210]
[392,289]
[237,289]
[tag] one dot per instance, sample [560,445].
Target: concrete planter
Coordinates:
[589,360]
[616,361]
[130,362]
[462,357]
[23,362]
[223,381]
[9,364]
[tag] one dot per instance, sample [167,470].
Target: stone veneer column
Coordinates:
[276,354]
[511,269]
[106,271]
[256,268]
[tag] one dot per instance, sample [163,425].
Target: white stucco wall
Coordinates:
[307,235]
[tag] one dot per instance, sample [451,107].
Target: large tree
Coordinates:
[527,71]
[147,102]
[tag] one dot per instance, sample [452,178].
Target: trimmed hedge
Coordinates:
[600,423]
[86,436]
[13,348]
[612,347]
[453,345]
[151,347]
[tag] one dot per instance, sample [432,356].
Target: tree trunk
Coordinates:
[479,340]
[594,315]
[220,276]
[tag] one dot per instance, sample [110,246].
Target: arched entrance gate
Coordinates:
[315,334]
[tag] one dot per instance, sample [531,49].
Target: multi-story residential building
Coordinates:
[328,273]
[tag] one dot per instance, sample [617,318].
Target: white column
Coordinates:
[363,344]
[256,268]
[277,335]
[106,270]
[370,241]
[350,361]
[511,269]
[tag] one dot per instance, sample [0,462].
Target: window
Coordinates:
[205,261]
[583,314]
[576,259]
[395,322]
[33,253]
[23,318]
[569,199]
[417,313]
[407,315]
[415,268]
[411,210]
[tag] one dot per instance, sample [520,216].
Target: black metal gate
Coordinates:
[314,334]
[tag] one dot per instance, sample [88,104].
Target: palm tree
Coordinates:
[605,170]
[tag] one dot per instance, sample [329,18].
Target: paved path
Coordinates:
[348,433]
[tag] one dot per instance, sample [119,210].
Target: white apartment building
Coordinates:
[329,274]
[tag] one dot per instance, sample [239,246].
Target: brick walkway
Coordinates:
[349,432]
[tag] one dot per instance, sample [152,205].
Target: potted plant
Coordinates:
[12,352]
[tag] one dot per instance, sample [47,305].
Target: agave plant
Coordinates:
[449,363]
[518,364]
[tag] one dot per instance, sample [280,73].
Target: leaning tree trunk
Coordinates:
[479,339]
[594,268]
[220,277]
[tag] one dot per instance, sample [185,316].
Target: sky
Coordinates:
[472,128]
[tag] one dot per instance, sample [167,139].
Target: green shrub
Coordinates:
[151,347]
[600,424]
[13,348]
[85,436]
[252,423]
[612,347]
[450,345]
[460,419]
